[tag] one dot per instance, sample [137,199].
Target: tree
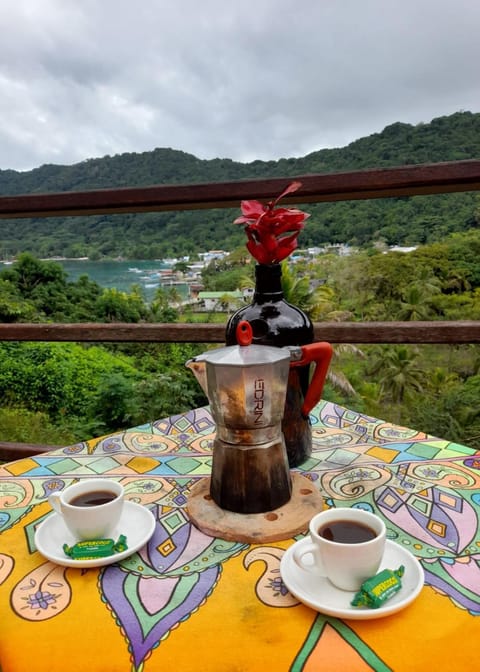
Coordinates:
[175,297]
[28,273]
[414,306]
[116,306]
[43,283]
[160,308]
[298,291]
[82,296]
[13,308]
[181,267]
[112,406]
[397,373]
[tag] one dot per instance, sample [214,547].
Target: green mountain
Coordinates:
[402,220]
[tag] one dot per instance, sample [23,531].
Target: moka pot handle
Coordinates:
[321,354]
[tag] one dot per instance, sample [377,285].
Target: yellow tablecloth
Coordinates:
[192,602]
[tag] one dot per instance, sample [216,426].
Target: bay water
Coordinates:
[122,275]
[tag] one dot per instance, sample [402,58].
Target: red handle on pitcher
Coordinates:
[320,353]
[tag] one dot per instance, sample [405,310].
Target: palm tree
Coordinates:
[456,281]
[417,298]
[335,376]
[414,306]
[440,380]
[371,397]
[297,290]
[429,281]
[398,373]
[175,297]
[229,304]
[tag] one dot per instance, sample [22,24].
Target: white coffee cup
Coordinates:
[91,508]
[347,564]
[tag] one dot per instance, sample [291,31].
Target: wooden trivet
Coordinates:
[283,523]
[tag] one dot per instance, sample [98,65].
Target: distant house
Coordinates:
[398,248]
[209,256]
[220,300]
[195,289]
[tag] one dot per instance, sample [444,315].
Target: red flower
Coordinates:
[272,232]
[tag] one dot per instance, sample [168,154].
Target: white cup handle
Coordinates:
[309,549]
[55,503]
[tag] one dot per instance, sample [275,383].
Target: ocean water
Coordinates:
[122,274]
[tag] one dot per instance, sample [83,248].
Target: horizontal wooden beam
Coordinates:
[335,332]
[399,332]
[455,176]
[16,451]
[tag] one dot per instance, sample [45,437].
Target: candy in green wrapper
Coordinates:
[376,591]
[95,548]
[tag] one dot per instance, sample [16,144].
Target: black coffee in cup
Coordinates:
[347,532]
[93,498]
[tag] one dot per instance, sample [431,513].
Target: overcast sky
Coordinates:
[239,79]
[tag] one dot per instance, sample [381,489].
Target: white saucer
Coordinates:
[137,524]
[318,593]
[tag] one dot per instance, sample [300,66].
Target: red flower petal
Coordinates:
[252,208]
[271,231]
[293,186]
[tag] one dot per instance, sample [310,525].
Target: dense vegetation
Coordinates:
[59,393]
[396,221]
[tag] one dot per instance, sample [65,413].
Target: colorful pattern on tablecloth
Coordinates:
[426,489]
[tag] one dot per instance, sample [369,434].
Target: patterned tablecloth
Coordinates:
[194,602]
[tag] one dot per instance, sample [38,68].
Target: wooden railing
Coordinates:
[435,178]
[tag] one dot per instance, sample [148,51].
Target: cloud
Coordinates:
[256,79]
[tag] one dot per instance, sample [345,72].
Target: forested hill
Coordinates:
[395,221]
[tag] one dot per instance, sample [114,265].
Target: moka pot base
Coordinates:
[250,477]
[253,528]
